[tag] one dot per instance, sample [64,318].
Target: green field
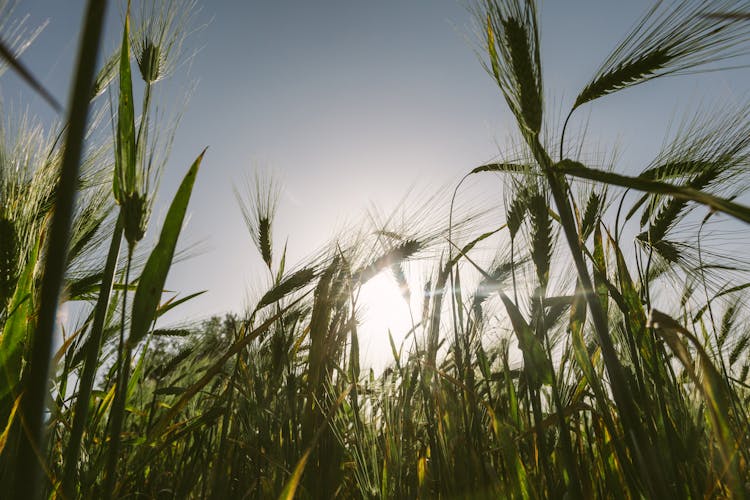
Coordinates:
[591,343]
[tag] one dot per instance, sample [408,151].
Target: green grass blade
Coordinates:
[124,181]
[151,282]
[28,77]
[714,390]
[536,364]
[28,469]
[91,364]
[172,303]
[291,486]
[18,326]
[576,169]
[600,271]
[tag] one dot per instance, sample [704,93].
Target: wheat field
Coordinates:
[591,343]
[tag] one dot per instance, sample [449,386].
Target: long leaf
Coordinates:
[18,326]
[536,364]
[172,303]
[28,467]
[577,169]
[124,178]
[154,274]
[28,77]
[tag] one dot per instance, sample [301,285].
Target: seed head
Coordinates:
[135,209]
[148,62]
[157,42]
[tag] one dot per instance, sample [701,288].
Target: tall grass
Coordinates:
[517,379]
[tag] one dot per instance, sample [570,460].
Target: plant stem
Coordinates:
[28,466]
[620,389]
[121,392]
[90,366]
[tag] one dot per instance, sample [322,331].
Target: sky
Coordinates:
[350,103]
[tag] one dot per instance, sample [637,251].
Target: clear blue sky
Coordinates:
[351,102]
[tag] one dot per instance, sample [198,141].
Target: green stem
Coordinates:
[121,392]
[562,135]
[716,203]
[142,139]
[641,444]
[80,414]
[28,466]
[219,478]
[620,390]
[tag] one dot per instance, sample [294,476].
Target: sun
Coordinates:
[382,308]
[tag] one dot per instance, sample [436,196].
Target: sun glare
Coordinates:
[382,308]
